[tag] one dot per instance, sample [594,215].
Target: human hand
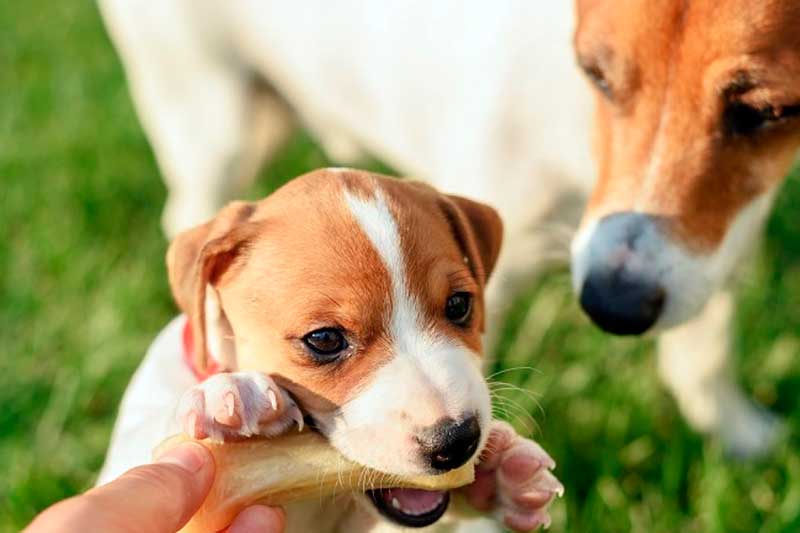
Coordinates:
[158,498]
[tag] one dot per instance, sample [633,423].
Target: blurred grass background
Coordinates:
[83,292]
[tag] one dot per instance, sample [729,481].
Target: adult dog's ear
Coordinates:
[196,260]
[478,230]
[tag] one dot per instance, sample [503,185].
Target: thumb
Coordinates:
[159,497]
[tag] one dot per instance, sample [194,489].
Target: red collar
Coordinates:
[212,367]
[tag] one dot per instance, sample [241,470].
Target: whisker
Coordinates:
[519,414]
[512,369]
[502,386]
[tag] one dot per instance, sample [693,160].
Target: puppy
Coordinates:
[358,301]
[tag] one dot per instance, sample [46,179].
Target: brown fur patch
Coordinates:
[660,138]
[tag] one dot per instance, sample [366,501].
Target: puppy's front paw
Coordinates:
[237,405]
[514,479]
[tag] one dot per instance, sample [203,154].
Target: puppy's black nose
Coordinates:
[621,305]
[449,443]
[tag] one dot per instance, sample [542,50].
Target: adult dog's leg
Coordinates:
[210,120]
[693,361]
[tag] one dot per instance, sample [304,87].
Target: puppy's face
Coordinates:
[361,295]
[697,107]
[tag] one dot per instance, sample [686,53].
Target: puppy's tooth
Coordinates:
[230,403]
[273,399]
[396,503]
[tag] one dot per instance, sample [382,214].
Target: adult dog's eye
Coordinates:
[458,308]
[741,119]
[326,344]
[597,78]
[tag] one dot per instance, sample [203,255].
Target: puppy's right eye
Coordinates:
[326,344]
[459,308]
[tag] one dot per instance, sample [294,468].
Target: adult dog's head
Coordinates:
[697,122]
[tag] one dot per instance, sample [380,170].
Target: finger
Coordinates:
[158,497]
[259,519]
[164,495]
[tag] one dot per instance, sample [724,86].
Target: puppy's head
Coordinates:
[697,107]
[363,296]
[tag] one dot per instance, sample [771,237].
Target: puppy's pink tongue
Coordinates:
[413,501]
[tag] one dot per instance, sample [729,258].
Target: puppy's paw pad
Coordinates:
[514,477]
[234,406]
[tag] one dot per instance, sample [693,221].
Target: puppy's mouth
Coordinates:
[410,507]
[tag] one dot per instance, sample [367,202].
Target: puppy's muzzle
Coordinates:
[449,444]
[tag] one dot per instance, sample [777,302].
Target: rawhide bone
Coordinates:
[292,467]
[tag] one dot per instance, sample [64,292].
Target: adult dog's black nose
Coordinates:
[621,305]
[450,443]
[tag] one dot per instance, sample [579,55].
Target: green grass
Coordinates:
[83,292]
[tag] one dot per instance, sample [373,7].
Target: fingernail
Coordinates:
[190,456]
[259,518]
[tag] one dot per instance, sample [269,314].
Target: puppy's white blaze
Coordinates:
[427,377]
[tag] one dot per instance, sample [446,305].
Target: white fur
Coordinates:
[427,376]
[147,412]
[703,384]
[219,335]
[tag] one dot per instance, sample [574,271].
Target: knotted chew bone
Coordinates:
[292,467]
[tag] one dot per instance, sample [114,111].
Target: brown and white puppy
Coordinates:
[358,299]
[697,124]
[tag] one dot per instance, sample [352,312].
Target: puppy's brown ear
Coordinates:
[196,260]
[478,230]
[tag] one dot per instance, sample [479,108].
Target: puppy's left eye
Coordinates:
[459,308]
[326,344]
